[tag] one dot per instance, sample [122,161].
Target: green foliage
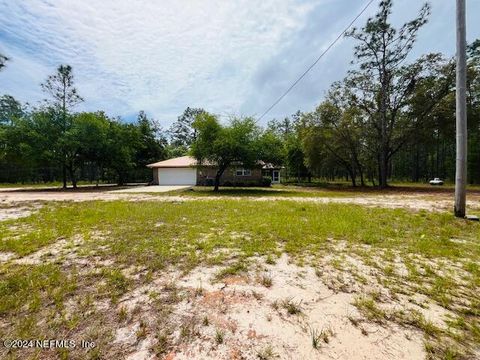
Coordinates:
[239,142]
[182,132]
[266,181]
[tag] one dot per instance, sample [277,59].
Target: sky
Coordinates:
[232,57]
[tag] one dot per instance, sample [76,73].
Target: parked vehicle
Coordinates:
[436,181]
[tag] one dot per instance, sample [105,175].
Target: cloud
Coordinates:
[162,56]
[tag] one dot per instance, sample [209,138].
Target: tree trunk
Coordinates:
[362,180]
[354,182]
[71,171]
[64,176]
[218,175]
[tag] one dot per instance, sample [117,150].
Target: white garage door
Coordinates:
[178,176]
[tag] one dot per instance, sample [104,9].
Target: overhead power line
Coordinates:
[316,61]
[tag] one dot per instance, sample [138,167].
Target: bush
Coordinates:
[209,182]
[266,181]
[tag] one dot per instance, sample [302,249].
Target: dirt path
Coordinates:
[440,202]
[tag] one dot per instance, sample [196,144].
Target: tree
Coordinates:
[289,145]
[223,145]
[61,88]
[10,108]
[152,141]
[122,142]
[85,142]
[3,60]
[381,83]
[182,133]
[333,131]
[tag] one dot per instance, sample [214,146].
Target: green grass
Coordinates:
[281,191]
[56,184]
[35,298]
[190,227]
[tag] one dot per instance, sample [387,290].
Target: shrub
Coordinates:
[266,181]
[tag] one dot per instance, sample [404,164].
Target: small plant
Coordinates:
[219,336]
[326,334]
[142,331]
[257,295]
[315,338]
[188,330]
[122,314]
[266,281]
[199,291]
[239,267]
[205,321]
[389,270]
[270,260]
[292,307]
[353,320]
[321,336]
[162,344]
[267,353]
[370,309]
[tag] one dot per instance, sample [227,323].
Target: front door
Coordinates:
[275,176]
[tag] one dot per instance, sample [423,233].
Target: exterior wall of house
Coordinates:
[206,177]
[155,176]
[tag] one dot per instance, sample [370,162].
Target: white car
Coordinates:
[436,181]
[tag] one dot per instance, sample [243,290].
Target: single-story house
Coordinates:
[185,170]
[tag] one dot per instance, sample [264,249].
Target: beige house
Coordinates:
[185,170]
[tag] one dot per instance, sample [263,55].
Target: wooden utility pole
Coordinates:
[461,113]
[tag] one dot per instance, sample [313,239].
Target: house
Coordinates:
[185,170]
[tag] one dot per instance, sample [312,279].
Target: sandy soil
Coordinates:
[439,202]
[15,212]
[246,316]
[254,322]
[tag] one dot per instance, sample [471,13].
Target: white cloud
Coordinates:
[160,56]
[224,55]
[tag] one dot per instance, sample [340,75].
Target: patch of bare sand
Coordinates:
[412,202]
[16,212]
[252,319]
[6,256]
[52,252]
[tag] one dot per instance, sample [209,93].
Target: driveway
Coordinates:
[152,189]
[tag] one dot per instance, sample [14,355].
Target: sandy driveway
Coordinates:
[439,202]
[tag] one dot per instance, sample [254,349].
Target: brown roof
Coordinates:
[179,162]
[188,161]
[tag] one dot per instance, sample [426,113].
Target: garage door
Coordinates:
[180,176]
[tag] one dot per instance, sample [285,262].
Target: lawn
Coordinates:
[69,268]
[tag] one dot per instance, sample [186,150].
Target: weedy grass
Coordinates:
[123,234]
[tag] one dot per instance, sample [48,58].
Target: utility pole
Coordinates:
[461,114]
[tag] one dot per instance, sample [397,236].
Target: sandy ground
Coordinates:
[253,320]
[151,189]
[437,202]
[242,317]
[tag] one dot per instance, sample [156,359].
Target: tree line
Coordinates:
[390,118]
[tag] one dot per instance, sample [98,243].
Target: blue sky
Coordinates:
[229,57]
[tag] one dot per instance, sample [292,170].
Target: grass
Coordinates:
[292,307]
[137,241]
[312,190]
[50,184]
[36,299]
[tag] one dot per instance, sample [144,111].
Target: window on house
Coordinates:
[243,172]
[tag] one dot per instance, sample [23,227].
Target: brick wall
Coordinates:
[206,176]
